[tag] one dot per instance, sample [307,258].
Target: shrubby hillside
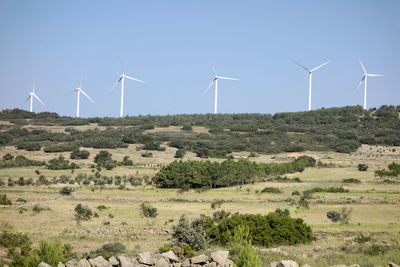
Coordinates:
[338,129]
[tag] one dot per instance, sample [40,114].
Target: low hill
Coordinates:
[339,129]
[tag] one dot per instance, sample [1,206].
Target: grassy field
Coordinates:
[375,205]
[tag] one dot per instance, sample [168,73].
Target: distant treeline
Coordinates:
[198,174]
[339,129]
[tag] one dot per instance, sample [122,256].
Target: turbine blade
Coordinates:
[38,99]
[117,82]
[208,88]
[374,75]
[29,97]
[323,64]
[304,67]
[73,91]
[212,67]
[365,71]
[362,80]
[83,92]
[227,78]
[134,79]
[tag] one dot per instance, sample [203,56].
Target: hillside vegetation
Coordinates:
[338,129]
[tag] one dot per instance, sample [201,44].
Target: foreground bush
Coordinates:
[272,229]
[190,233]
[244,255]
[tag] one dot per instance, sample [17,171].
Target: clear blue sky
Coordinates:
[168,44]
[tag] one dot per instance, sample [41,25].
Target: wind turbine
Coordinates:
[215,80]
[310,79]
[364,79]
[33,95]
[79,91]
[122,80]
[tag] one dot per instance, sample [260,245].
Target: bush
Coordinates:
[37,209]
[60,163]
[82,212]
[79,154]
[8,156]
[179,154]
[110,249]
[375,250]
[216,203]
[49,252]
[282,212]
[271,190]
[10,238]
[243,253]
[66,191]
[187,127]
[362,238]
[219,215]
[351,181]
[127,162]
[29,146]
[164,248]
[102,207]
[148,211]
[4,200]
[266,230]
[342,216]
[103,158]
[362,167]
[190,233]
[147,154]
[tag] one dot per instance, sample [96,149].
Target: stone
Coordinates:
[210,264]
[306,265]
[113,261]
[186,263]
[60,264]
[171,256]
[391,264]
[71,263]
[287,263]
[83,263]
[99,262]
[125,262]
[176,264]
[220,257]
[162,262]
[199,259]
[145,258]
[273,264]
[43,264]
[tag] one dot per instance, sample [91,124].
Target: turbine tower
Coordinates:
[122,80]
[79,91]
[310,79]
[215,81]
[31,96]
[364,79]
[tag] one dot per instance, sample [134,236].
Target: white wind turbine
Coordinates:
[31,96]
[79,91]
[310,79]
[364,79]
[215,80]
[122,80]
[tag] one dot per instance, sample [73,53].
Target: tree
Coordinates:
[148,211]
[82,213]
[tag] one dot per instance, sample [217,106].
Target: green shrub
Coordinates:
[10,238]
[271,190]
[61,163]
[29,146]
[126,161]
[342,216]
[351,181]
[21,200]
[179,154]
[190,233]
[147,154]
[219,215]
[164,248]
[79,154]
[104,159]
[362,167]
[38,209]
[282,212]
[82,212]
[243,254]
[362,238]
[217,203]
[148,211]
[266,230]
[49,252]
[375,250]
[4,200]
[102,207]
[66,191]
[8,156]
[187,127]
